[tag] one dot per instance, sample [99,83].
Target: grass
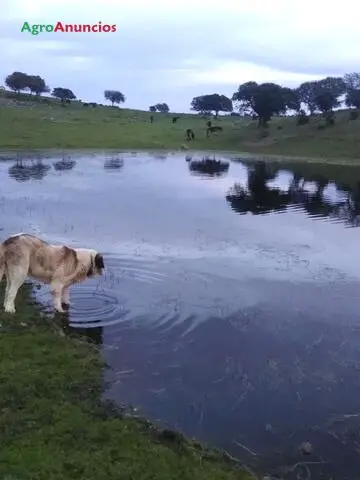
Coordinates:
[54,427]
[29,124]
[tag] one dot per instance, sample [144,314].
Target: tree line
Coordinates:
[265,100]
[22,82]
[259,100]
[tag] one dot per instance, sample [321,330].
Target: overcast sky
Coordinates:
[172,50]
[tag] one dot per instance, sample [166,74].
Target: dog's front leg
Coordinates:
[56,292]
[65,298]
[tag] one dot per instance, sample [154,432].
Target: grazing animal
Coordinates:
[190,134]
[60,266]
[213,129]
[175,119]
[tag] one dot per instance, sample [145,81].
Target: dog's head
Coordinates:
[96,266]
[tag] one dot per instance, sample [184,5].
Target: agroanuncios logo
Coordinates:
[36,29]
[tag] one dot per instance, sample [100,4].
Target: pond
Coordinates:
[229,308]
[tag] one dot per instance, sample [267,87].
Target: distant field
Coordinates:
[29,124]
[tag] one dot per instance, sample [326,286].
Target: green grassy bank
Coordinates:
[29,124]
[53,426]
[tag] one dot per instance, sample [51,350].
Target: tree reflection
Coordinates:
[64,164]
[314,203]
[257,197]
[208,167]
[25,169]
[349,211]
[113,163]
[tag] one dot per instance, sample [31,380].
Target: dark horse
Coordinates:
[213,129]
[190,134]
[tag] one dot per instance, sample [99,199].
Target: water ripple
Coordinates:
[118,267]
[105,301]
[91,308]
[105,304]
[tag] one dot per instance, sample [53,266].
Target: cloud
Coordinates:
[234,73]
[173,51]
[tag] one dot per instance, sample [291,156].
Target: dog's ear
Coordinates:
[99,261]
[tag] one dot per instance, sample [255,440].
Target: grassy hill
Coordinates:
[27,123]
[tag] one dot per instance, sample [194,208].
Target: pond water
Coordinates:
[230,305]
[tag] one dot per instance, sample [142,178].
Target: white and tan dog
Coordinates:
[60,266]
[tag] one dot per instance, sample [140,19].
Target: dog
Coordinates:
[23,255]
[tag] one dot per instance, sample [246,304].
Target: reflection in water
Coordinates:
[91,334]
[240,330]
[64,164]
[24,170]
[159,156]
[349,211]
[209,167]
[257,197]
[113,163]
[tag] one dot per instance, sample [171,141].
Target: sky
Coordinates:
[173,50]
